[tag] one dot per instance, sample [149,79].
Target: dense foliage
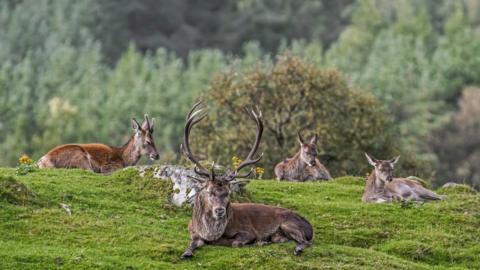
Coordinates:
[77,71]
[295,96]
[456,143]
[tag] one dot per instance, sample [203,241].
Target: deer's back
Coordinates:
[280,169]
[410,189]
[86,156]
[397,185]
[290,170]
[96,150]
[264,220]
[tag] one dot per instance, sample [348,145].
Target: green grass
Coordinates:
[121,222]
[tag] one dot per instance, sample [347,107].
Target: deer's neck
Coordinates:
[205,224]
[130,152]
[298,164]
[374,185]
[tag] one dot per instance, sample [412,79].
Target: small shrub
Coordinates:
[409,249]
[457,189]
[14,192]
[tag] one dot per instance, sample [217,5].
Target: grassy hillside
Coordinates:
[123,222]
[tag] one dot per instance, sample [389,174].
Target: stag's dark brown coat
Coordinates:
[245,224]
[217,221]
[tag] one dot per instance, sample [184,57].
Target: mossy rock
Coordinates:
[145,182]
[456,189]
[15,192]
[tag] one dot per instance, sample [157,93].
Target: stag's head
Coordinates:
[308,150]
[216,188]
[383,168]
[143,138]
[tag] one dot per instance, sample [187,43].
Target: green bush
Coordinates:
[14,192]
[294,95]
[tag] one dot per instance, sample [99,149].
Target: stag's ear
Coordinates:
[394,160]
[301,141]
[371,160]
[313,140]
[135,125]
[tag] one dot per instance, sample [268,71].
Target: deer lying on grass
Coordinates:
[304,165]
[101,158]
[217,221]
[381,187]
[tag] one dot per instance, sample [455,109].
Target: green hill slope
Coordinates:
[123,222]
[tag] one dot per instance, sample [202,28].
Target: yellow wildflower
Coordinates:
[25,160]
[259,171]
[236,161]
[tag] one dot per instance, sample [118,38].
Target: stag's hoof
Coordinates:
[187,255]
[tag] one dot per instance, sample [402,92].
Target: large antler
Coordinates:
[258,118]
[193,117]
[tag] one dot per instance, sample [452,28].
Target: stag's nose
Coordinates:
[220,212]
[155,156]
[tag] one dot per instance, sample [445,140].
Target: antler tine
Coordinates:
[212,172]
[246,175]
[192,110]
[193,118]
[258,118]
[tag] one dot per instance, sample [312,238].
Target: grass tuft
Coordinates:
[14,192]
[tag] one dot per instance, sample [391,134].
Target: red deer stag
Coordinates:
[102,158]
[381,187]
[215,220]
[304,165]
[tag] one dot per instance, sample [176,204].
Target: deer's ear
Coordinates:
[371,160]
[394,160]
[313,140]
[301,141]
[146,123]
[152,121]
[135,125]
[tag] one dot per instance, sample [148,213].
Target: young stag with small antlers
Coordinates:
[215,220]
[101,158]
[381,187]
[304,165]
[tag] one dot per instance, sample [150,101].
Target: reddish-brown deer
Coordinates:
[304,165]
[215,220]
[102,158]
[382,187]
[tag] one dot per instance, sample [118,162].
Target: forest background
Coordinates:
[387,77]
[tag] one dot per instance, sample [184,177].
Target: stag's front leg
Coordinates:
[195,243]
